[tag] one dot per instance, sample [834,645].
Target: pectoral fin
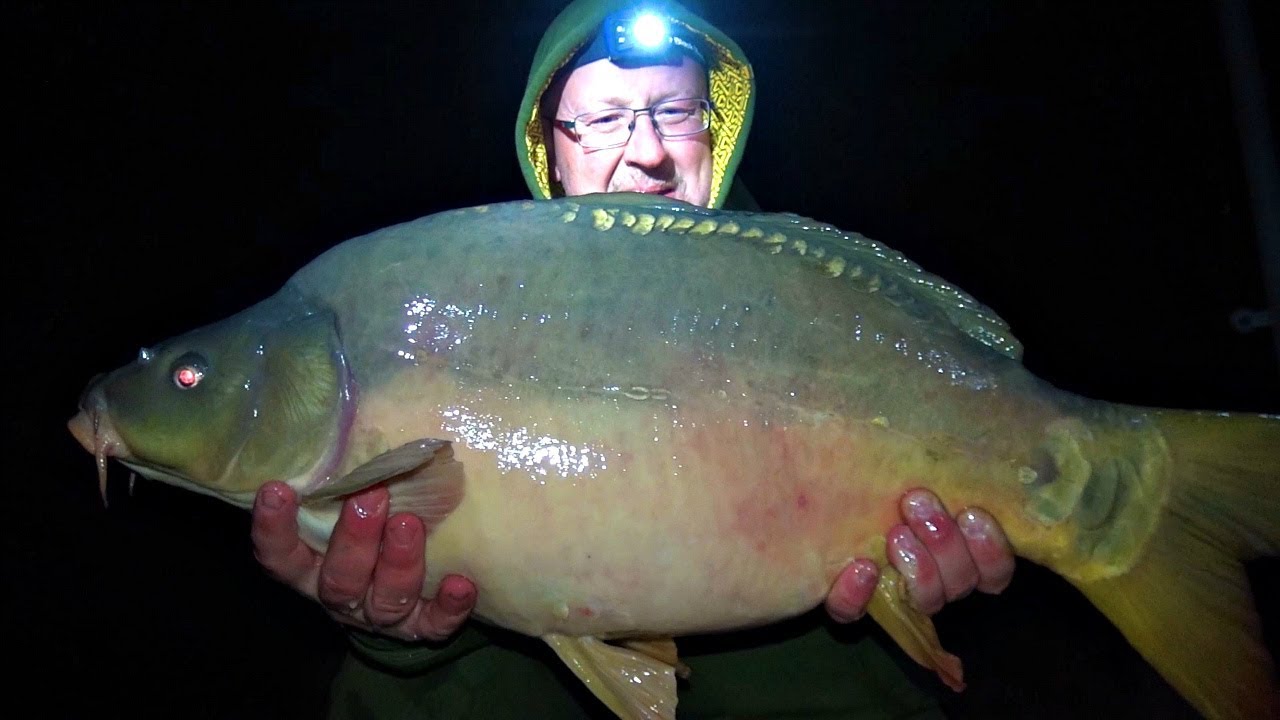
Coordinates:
[431,491]
[634,685]
[913,630]
[409,456]
[422,478]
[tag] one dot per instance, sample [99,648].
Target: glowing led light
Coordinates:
[649,30]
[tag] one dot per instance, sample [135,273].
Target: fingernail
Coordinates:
[458,597]
[271,499]
[403,601]
[867,574]
[353,604]
[910,561]
[973,525]
[366,506]
[400,532]
[926,509]
[922,502]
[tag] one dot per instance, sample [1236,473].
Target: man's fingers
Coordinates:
[918,569]
[443,615]
[397,580]
[372,573]
[936,529]
[353,551]
[852,591]
[275,535]
[989,549]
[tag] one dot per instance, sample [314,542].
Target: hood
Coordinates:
[731,81]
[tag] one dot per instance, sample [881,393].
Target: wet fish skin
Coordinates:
[625,419]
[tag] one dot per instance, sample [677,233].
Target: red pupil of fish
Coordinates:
[187,377]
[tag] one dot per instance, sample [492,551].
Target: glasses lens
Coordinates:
[603,128]
[612,127]
[682,117]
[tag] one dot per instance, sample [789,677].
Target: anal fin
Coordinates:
[663,650]
[913,630]
[634,685]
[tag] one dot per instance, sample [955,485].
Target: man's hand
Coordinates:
[372,574]
[940,558]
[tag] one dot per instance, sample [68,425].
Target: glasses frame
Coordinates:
[708,108]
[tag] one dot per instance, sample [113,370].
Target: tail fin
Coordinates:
[1186,606]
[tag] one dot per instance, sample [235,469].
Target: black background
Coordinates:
[1074,165]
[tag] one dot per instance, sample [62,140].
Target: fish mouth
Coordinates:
[91,427]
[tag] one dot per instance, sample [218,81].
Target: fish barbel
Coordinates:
[629,420]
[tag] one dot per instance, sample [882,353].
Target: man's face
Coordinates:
[677,167]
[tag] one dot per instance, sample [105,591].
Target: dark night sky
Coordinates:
[1076,168]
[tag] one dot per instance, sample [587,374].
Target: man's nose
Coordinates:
[645,148]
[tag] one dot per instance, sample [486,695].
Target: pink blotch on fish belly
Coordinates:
[791,489]
[747,516]
[802,501]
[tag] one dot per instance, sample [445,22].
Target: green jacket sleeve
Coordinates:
[408,658]
[805,667]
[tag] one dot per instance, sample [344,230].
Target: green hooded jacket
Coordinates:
[805,668]
[731,81]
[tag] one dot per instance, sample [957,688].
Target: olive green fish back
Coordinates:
[866,265]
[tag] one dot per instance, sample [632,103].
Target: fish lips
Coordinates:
[81,427]
[91,427]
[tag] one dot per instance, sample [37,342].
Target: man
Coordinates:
[578,133]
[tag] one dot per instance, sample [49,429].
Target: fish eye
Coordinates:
[188,371]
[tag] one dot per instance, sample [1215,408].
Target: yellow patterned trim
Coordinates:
[730,91]
[535,141]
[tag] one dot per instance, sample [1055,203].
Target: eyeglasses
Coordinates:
[612,127]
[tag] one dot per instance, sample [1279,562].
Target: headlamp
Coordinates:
[641,37]
[644,33]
